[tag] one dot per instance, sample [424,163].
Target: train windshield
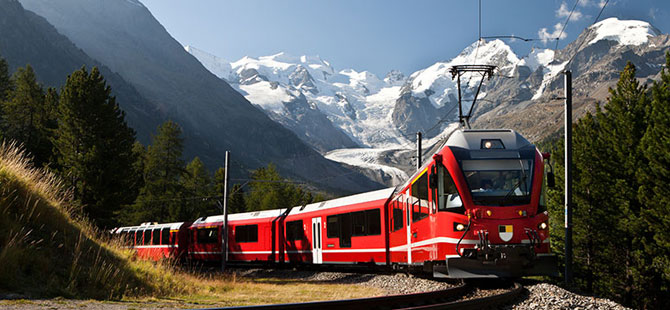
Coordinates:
[501,182]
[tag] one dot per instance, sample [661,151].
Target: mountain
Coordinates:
[336,109]
[26,38]
[595,58]
[284,98]
[124,36]
[382,116]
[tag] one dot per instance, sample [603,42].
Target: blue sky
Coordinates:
[380,35]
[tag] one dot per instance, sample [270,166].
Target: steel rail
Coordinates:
[380,302]
[493,301]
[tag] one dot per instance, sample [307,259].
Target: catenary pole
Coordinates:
[224,233]
[568,177]
[418,150]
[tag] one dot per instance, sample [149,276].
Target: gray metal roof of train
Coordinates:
[471,139]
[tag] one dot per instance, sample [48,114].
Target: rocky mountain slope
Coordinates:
[26,38]
[123,35]
[382,116]
[595,58]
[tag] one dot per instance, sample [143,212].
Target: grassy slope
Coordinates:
[46,251]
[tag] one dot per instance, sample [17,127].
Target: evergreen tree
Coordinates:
[197,189]
[28,117]
[270,191]
[623,126]
[161,197]
[5,81]
[592,242]
[654,191]
[236,200]
[94,146]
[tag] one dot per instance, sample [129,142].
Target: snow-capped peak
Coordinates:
[436,81]
[537,58]
[494,52]
[217,65]
[395,78]
[625,32]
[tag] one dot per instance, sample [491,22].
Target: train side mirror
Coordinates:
[551,181]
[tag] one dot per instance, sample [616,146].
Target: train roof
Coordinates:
[150,225]
[472,139]
[323,205]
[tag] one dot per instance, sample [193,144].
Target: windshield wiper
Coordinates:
[521,181]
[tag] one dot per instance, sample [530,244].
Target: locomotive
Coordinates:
[476,209]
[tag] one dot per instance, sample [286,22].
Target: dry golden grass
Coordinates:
[48,249]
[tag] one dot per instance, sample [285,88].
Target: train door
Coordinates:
[317,251]
[418,204]
[408,209]
[398,230]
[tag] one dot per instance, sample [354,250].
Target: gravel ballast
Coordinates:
[536,295]
[549,296]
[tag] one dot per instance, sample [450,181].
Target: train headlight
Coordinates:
[491,144]
[459,227]
[542,226]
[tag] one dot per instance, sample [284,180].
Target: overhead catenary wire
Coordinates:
[566,24]
[582,43]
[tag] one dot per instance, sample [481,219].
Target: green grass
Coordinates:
[47,250]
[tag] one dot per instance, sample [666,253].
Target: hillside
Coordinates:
[26,38]
[47,250]
[128,39]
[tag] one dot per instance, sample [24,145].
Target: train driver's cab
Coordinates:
[499,182]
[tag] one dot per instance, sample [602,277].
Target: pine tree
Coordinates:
[236,202]
[591,194]
[5,81]
[198,189]
[94,146]
[623,126]
[236,199]
[654,192]
[28,116]
[270,191]
[161,197]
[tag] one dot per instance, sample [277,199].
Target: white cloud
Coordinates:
[563,11]
[601,3]
[545,35]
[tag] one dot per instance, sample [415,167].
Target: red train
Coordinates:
[476,209]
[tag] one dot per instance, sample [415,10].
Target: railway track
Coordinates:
[451,298]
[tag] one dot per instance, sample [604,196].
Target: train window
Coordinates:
[420,187]
[345,230]
[447,194]
[208,235]
[165,236]
[398,222]
[332,227]
[373,222]
[138,237]
[246,233]
[358,219]
[156,238]
[174,238]
[147,237]
[420,193]
[295,231]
